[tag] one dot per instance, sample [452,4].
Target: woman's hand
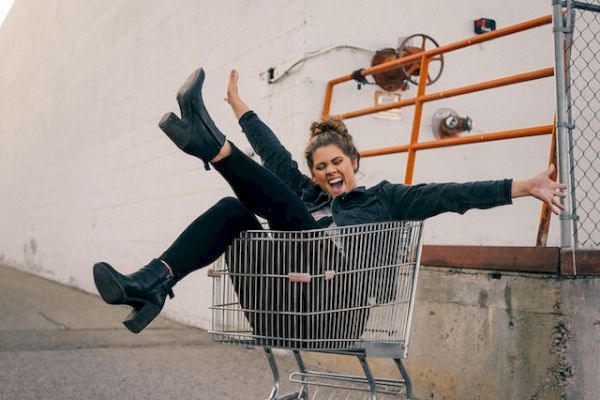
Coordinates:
[233,98]
[543,188]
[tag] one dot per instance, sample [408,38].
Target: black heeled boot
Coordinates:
[145,290]
[195,133]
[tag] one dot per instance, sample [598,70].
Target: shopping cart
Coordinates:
[347,291]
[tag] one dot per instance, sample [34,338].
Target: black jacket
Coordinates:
[383,202]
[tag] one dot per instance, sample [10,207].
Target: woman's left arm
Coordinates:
[423,201]
[541,187]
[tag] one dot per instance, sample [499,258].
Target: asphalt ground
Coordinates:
[59,343]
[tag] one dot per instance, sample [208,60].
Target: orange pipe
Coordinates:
[376,109]
[509,30]
[414,137]
[489,137]
[544,224]
[382,151]
[540,21]
[444,94]
[523,26]
[328,96]
[491,84]
[484,137]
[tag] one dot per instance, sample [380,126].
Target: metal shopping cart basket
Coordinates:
[347,290]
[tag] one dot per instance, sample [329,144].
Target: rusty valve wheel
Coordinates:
[412,70]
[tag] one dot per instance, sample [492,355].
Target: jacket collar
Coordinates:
[322,197]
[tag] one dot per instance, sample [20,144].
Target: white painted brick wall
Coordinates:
[87,175]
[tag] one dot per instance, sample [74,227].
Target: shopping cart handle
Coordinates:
[302,277]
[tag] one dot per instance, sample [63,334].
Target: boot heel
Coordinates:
[139,318]
[175,129]
[195,132]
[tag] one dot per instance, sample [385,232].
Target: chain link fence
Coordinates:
[583,119]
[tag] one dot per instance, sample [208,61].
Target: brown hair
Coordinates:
[332,131]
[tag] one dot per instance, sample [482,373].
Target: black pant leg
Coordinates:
[259,192]
[205,239]
[264,193]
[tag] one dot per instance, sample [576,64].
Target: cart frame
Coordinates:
[344,290]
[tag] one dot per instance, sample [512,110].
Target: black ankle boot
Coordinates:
[145,290]
[195,133]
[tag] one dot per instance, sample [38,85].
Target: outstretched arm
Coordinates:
[273,154]
[541,187]
[427,200]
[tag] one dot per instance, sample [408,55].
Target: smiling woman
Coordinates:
[334,170]
[286,198]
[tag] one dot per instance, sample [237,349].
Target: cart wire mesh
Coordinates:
[344,288]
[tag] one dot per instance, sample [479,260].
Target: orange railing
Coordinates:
[421,98]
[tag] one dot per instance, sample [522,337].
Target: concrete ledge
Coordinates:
[485,334]
[587,262]
[550,260]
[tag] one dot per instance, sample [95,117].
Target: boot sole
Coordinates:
[192,87]
[106,279]
[187,95]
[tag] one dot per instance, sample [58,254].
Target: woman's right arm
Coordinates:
[273,154]
[233,97]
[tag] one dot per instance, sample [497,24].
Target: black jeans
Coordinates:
[259,192]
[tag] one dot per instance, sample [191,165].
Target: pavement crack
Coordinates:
[47,318]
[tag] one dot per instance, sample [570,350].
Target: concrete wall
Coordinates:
[485,335]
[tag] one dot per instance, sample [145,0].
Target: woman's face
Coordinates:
[333,170]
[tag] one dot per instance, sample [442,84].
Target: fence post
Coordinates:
[561,135]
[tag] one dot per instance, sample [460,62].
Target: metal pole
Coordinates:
[562,145]
[274,370]
[369,376]
[570,26]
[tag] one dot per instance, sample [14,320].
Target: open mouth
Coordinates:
[337,185]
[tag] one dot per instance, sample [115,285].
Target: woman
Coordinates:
[285,197]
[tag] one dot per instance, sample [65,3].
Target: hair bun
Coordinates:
[332,125]
[330,132]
